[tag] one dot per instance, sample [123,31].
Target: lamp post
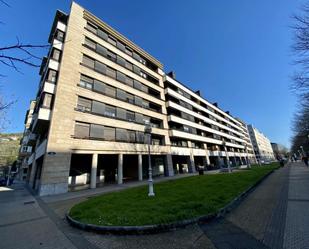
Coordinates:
[148,130]
[227,157]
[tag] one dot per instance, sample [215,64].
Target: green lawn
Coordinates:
[175,199]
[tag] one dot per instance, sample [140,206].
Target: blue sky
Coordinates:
[236,52]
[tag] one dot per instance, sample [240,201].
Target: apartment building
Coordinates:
[97,91]
[261,145]
[26,144]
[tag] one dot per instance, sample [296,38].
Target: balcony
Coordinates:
[49,87]
[41,120]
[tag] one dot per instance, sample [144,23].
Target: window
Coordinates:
[98,107]
[102,34]
[111,56]
[136,56]
[121,46]
[86,82]
[110,111]
[56,54]
[89,43]
[145,104]
[139,118]
[140,137]
[96,131]
[87,61]
[130,116]
[137,85]
[143,61]
[128,51]
[122,135]
[81,130]
[142,74]
[112,41]
[47,99]
[129,81]
[130,98]
[101,50]
[99,86]
[110,91]
[121,113]
[111,72]
[84,104]
[131,136]
[121,94]
[121,77]
[100,67]
[121,61]
[109,133]
[129,65]
[52,76]
[138,101]
[91,28]
[59,35]
[136,70]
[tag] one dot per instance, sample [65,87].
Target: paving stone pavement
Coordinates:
[274,215]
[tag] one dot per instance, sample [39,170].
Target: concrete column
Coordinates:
[169,170]
[207,155]
[94,166]
[120,169]
[191,164]
[140,167]
[32,173]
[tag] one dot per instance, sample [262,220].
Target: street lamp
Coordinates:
[227,157]
[148,130]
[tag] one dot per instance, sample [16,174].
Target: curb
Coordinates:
[152,229]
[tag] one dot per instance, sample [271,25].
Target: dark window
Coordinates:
[129,81]
[121,94]
[130,98]
[140,137]
[88,61]
[131,136]
[122,135]
[81,130]
[89,43]
[91,28]
[110,111]
[137,85]
[98,107]
[121,113]
[83,104]
[136,56]
[129,65]
[121,46]
[138,101]
[86,82]
[145,104]
[112,40]
[110,91]
[130,116]
[121,77]
[101,50]
[136,70]
[109,133]
[100,67]
[128,51]
[111,56]
[102,34]
[121,61]
[96,131]
[111,72]
[99,86]
[139,118]
[52,76]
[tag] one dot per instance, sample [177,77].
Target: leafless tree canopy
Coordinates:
[301,79]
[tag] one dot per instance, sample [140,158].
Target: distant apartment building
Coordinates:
[261,145]
[97,91]
[26,144]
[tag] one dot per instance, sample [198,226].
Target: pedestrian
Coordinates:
[281,162]
[305,159]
